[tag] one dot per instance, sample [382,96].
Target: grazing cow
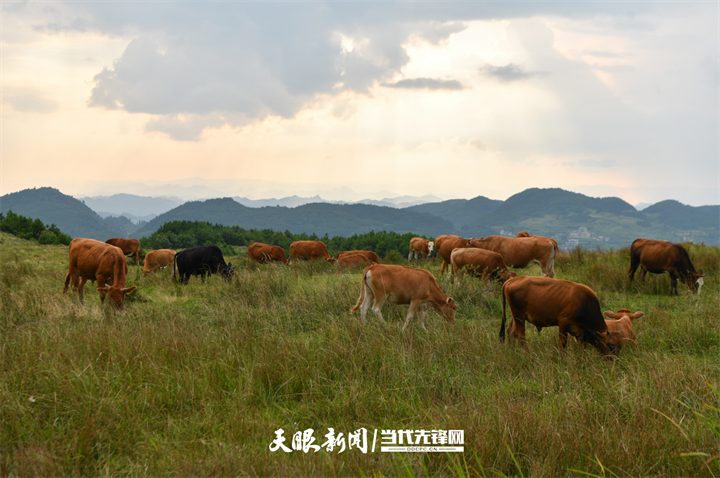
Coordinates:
[521,251]
[546,302]
[353,261]
[623,324]
[404,285]
[527,234]
[447,245]
[480,263]
[309,251]
[159,259]
[662,256]
[202,260]
[264,253]
[370,255]
[420,246]
[92,260]
[128,246]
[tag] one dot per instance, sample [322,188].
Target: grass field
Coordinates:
[196,379]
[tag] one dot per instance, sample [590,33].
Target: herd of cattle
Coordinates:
[542,301]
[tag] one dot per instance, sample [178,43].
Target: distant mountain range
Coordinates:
[590,222]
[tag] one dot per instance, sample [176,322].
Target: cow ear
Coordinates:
[449,301]
[128,290]
[637,315]
[610,314]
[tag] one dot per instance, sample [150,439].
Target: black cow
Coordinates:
[202,260]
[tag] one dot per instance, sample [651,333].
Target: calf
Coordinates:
[623,324]
[420,246]
[404,285]
[159,259]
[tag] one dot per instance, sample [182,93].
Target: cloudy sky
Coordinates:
[450,99]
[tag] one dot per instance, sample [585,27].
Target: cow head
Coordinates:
[115,295]
[330,259]
[227,272]
[506,275]
[431,247]
[695,278]
[446,309]
[607,342]
[613,342]
[523,234]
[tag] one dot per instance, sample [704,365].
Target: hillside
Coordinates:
[593,222]
[556,213]
[318,218]
[53,207]
[460,212]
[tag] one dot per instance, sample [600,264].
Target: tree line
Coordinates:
[183,234]
[26,228]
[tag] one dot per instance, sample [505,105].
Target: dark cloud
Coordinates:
[509,73]
[426,84]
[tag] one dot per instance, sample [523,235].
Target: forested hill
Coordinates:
[566,216]
[51,206]
[317,218]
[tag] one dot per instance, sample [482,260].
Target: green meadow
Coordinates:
[196,380]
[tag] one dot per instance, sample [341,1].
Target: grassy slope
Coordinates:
[195,380]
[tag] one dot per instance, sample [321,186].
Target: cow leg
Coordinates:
[410,254]
[411,311]
[367,300]
[673,282]
[421,312]
[642,273]
[562,338]
[80,287]
[442,270]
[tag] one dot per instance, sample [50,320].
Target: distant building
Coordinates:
[570,245]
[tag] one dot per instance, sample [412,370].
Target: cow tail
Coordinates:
[362,291]
[175,265]
[551,264]
[502,325]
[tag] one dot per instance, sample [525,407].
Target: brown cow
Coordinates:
[546,302]
[527,234]
[662,256]
[92,260]
[309,251]
[405,285]
[159,259]
[355,260]
[264,253]
[480,263]
[420,246]
[128,246]
[521,251]
[623,324]
[446,246]
[370,255]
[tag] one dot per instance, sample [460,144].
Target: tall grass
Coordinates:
[194,380]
